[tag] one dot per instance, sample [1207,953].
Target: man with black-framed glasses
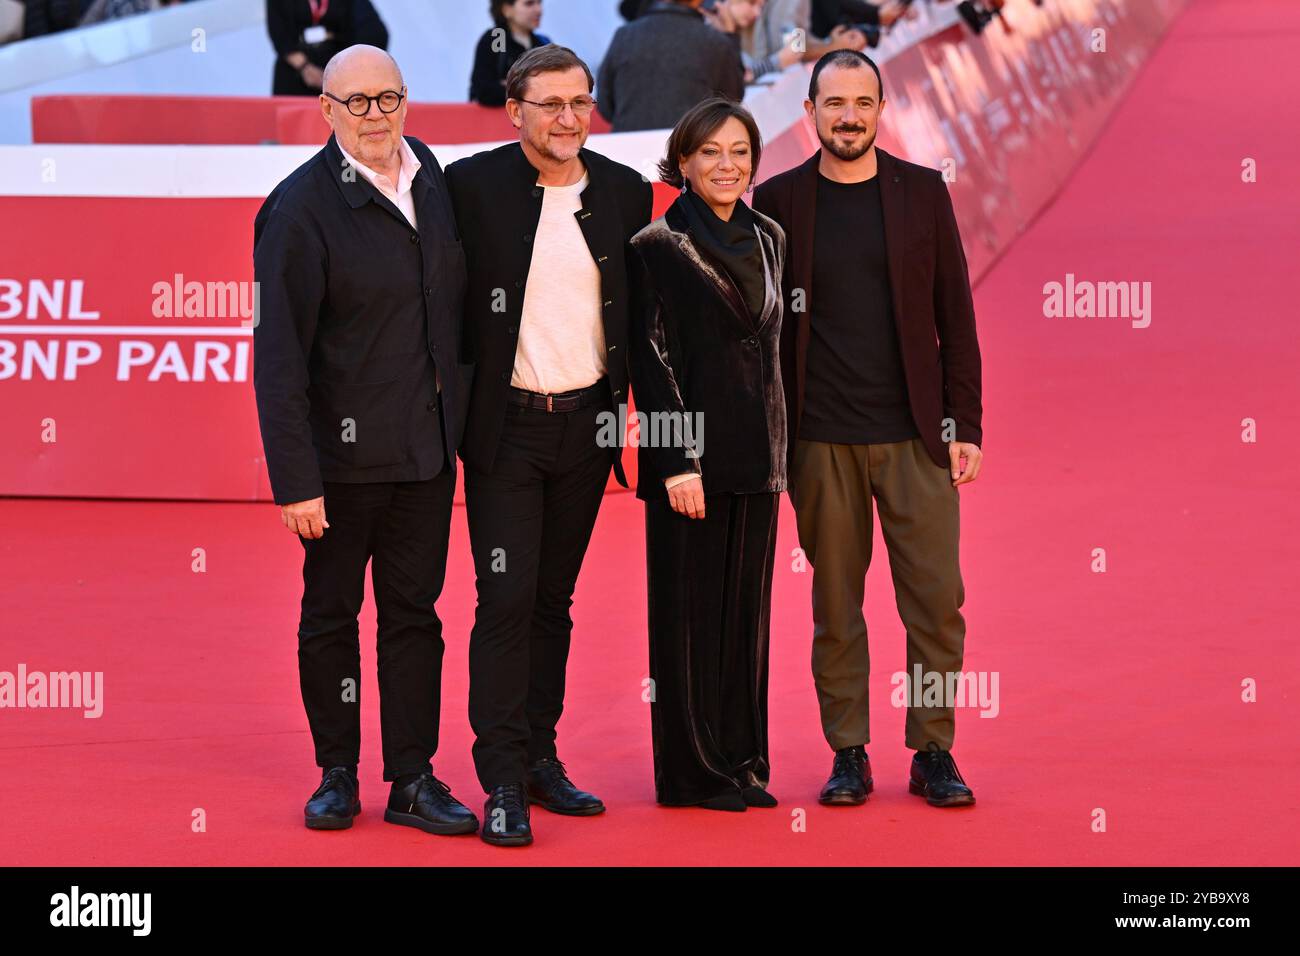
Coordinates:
[361,397]
[546,224]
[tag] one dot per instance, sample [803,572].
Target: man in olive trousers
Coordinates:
[882,373]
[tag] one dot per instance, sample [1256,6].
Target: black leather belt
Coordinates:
[561,401]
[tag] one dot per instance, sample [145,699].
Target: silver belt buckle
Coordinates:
[550,403]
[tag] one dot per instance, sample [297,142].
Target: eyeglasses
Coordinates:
[358,104]
[582,106]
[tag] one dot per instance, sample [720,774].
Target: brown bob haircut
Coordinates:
[543,59]
[694,129]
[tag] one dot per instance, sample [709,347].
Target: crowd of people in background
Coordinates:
[667,57]
[671,54]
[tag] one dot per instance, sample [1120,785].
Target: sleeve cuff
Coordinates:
[679,479]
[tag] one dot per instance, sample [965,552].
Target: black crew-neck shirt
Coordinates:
[855,391]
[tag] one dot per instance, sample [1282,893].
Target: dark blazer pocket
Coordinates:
[359,427]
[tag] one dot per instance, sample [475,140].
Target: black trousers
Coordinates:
[710,598]
[402,529]
[530,522]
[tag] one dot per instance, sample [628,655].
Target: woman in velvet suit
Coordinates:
[706,382]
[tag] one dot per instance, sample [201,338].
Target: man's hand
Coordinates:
[958,450]
[305,518]
[687,498]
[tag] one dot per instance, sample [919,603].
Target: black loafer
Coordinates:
[935,777]
[505,817]
[549,787]
[426,803]
[850,781]
[335,801]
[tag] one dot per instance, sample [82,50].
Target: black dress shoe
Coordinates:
[426,803]
[335,801]
[935,777]
[505,817]
[850,780]
[549,786]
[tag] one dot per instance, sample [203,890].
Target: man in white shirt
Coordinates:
[545,225]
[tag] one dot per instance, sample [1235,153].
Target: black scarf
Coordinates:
[731,244]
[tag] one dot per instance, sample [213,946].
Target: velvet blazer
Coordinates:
[933,309]
[698,355]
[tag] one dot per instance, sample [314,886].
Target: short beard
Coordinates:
[544,148]
[842,153]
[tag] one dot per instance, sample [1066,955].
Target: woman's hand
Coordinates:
[687,498]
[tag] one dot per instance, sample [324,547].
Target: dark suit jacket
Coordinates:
[933,310]
[357,310]
[698,351]
[498,205]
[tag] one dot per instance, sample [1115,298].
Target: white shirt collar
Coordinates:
[405,176]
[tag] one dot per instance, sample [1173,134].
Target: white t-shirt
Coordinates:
[562,334]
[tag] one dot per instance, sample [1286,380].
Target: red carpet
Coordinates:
[1120,691]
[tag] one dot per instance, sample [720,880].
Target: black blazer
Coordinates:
[697,351]
[930,285]
[357,310]
[498,205]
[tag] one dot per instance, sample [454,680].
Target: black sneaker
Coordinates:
[426,803]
